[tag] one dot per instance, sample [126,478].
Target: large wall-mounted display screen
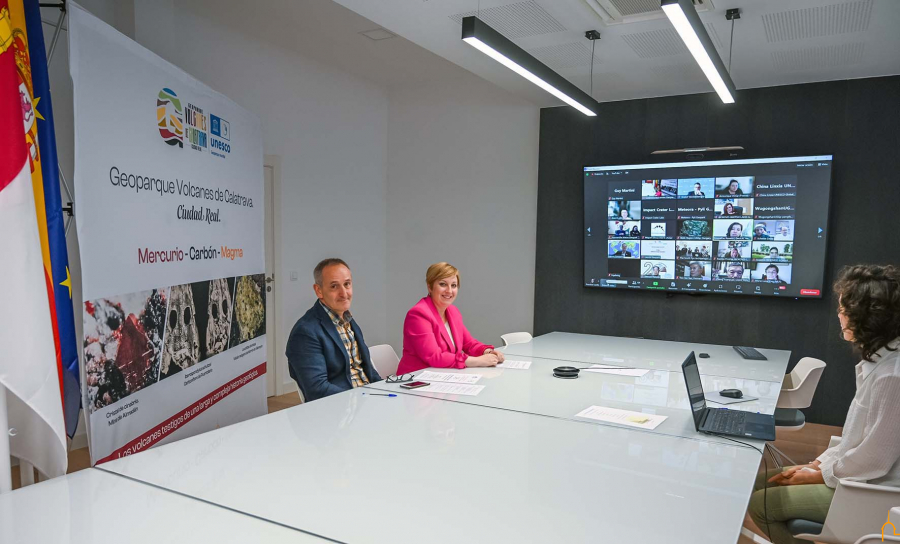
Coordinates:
[749,226]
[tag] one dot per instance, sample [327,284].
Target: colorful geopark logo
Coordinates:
[169,117]
[185,124]
[196,127]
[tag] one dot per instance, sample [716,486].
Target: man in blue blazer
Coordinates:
[326,350]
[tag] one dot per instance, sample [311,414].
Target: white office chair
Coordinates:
[511,338]
[890,531]
[856,512]
[384,359]
[796,392]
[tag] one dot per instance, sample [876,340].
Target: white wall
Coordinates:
[462,188]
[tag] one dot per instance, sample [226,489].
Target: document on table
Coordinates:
[520,365]
[617,371]
[452,389]
[447,377]
[622,417]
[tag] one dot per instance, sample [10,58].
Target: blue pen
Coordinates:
[381,394]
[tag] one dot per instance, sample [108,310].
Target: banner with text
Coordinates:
[169,200]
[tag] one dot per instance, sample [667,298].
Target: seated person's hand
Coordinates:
[499,354]
[799,475]
[488,359]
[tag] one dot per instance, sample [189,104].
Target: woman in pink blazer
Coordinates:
[434,334]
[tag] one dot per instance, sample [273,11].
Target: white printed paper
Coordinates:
[617,371]
[622,417]
[447,377]
[452,389]
[519,365]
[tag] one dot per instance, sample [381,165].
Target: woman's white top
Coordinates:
[450,334]
[870,447]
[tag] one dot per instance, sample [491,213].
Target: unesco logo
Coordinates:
[220,131]
[220,127]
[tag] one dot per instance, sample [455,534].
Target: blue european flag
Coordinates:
[56,233]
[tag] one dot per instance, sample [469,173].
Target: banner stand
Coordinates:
[5,459]
[68,209]
[174,304]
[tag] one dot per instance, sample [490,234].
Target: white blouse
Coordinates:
[870,447]
[450,334]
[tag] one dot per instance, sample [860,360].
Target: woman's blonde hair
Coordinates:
[439,271]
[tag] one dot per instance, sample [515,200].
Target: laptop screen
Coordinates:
[694,388]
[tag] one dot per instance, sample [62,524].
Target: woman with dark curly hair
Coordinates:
[735,230]
[869,451]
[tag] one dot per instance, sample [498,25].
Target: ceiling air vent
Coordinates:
[616,12]
[515,21]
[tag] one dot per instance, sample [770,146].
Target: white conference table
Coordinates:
[359,468]
[654,354]
[92,506]
[536,391]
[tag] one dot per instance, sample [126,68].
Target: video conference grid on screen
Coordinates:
[751,226]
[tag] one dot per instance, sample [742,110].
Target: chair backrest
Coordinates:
[802,384]
[511,338]
[385,359]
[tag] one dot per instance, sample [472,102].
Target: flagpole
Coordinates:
[5,460]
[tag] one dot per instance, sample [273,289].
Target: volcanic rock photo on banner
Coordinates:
[123,341]
[213,301]
[181,347]
[249,309]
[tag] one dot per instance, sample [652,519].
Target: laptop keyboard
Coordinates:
[728,421]
[750,353]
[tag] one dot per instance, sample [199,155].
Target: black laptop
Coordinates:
[722,420]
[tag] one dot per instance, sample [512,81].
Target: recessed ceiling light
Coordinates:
[378,34]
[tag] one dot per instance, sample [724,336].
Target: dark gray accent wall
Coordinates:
[858,121]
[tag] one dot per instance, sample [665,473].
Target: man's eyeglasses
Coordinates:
[393,378]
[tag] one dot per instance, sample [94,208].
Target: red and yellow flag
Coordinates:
[29,367]
[31,114]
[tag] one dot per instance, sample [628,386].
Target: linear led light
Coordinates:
[688,25]
[482,37]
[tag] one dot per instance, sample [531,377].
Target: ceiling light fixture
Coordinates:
[482,37]
[688,25]
[378,34]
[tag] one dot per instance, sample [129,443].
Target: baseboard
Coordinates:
[78,441]
[749,536]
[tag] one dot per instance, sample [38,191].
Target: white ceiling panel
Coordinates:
[516,20]
[776,42]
